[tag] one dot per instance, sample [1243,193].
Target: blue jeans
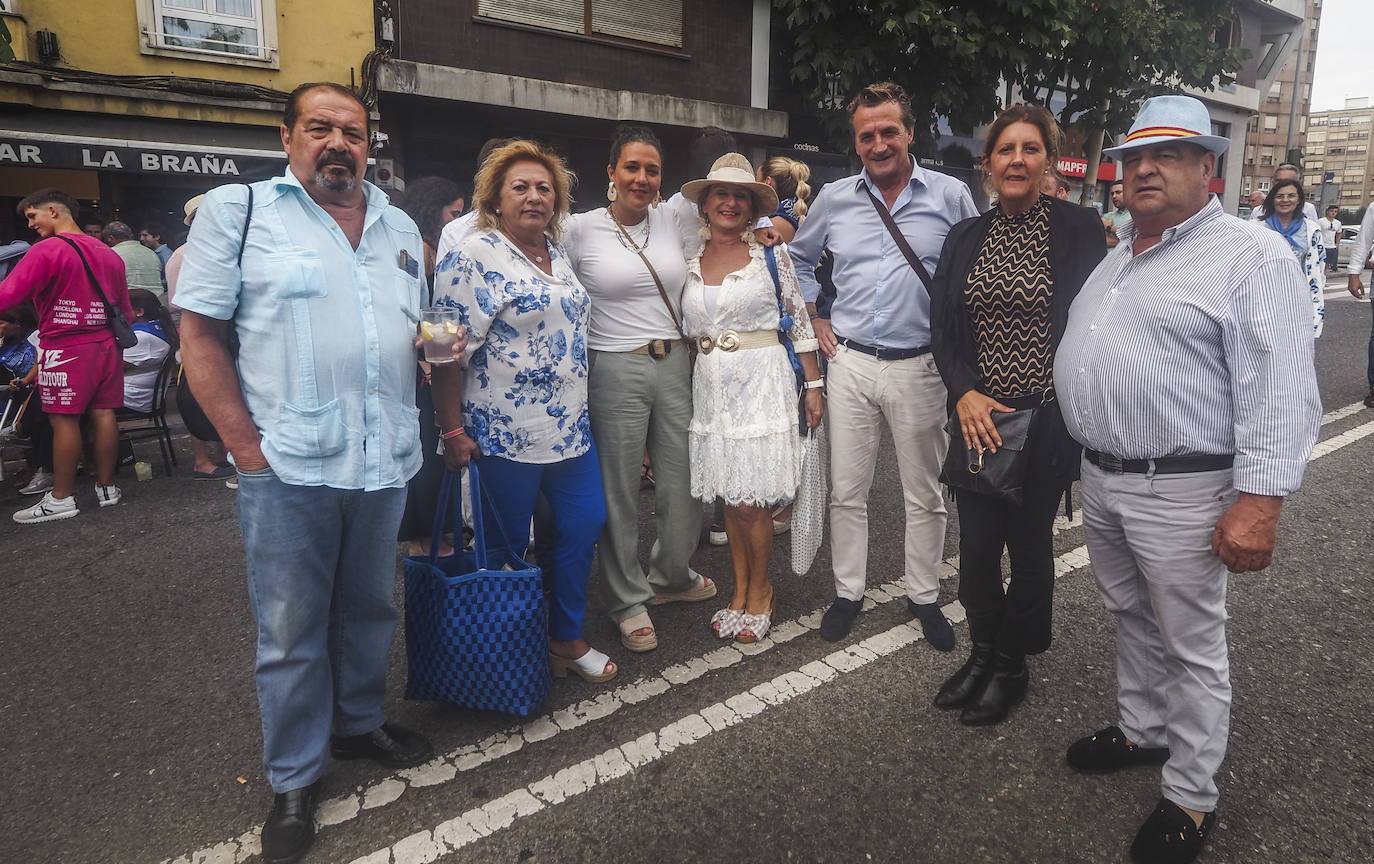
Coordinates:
[321,573]
[573,490]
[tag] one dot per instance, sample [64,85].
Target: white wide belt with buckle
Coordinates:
[733,340]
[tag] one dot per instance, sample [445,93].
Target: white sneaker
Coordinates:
[48,509]
[39,483]
[717,536]
[232,482]
[107,495]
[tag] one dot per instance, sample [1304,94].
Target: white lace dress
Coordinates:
[743,438]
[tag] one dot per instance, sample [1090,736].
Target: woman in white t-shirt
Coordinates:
[157,337]
[632,258]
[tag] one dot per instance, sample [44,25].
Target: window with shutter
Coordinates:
[658,22]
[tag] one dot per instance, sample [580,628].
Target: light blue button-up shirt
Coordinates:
[879,299]
[326,332]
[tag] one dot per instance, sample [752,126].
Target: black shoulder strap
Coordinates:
[84,263]
[247,220]
[907,252]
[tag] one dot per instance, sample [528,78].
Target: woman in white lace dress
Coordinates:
[744,440]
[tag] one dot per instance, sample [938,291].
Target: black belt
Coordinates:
[884,353]
[1162,465]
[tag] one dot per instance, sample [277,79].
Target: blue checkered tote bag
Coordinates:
[476,628]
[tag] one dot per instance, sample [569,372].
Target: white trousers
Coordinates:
[862,392]
[1150,540]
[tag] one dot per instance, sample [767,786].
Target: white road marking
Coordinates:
[496,815]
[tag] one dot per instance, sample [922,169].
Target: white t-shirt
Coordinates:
[146,357]
[454,233]
[1329,227]
[626,308]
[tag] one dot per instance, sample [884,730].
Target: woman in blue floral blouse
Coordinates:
[521,401]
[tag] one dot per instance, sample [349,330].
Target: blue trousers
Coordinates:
[573,490]
[321,574]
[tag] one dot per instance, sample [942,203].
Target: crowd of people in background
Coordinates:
[650,334]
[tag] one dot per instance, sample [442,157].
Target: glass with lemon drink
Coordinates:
[439,329]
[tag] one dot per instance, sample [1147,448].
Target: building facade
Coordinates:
[1338,169]
[461,72]
[134,106]
[1277,132]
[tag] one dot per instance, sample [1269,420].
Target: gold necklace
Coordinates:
[525,250]
[623,234]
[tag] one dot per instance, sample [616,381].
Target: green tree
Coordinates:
[951,57]
[1116,53]
[954,58]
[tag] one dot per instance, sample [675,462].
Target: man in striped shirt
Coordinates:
[1186,371]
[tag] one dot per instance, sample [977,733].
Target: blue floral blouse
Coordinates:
[525,384]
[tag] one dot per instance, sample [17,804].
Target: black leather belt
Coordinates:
[884,353]
[1162,465]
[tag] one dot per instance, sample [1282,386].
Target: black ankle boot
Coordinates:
[1005,686]
[964,683]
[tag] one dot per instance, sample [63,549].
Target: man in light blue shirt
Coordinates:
[878,343]
[319,278]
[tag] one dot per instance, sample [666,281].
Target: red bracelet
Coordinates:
[452,433]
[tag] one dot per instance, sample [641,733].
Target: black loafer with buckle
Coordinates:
[290,827]
[390,745]
[1110,750]
[838,620]
[1170,836]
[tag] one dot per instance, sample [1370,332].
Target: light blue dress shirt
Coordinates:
[1201,344]
[326,332]
[880,300]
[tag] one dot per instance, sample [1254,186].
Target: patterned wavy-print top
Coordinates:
[1008,303]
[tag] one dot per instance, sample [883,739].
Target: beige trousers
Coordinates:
[862,392]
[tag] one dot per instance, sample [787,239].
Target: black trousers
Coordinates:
[1016,619]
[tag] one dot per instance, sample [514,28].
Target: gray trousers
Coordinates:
[635,402]
[1149,538]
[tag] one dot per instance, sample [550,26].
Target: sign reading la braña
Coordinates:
[37,153]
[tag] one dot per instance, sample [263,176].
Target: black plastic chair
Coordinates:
[154,422]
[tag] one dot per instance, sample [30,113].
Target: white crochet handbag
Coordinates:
[808,510]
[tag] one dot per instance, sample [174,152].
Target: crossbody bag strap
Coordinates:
[247,220]
[658,283]
[95,283]
[899,239]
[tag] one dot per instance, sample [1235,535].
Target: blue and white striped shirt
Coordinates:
[1201,344]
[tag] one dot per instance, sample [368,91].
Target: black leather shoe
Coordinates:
[1170,836]
[1003,687]
[934,625]
[838,620]
[962,684]
[1109,750]
[390,745]
[290,827]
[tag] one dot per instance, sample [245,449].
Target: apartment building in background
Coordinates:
[134,106]
[1277,132]
[460,72]
[1338,169]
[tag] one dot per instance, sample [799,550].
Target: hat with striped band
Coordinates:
[1164,119]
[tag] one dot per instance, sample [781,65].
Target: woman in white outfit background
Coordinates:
[743,439]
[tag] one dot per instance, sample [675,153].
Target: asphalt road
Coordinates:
[131,725]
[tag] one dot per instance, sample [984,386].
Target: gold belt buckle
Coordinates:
[658,348]
[728,341]
[705,343]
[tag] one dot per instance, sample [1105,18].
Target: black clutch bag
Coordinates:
[998,475]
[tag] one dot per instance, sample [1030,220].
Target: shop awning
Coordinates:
[40,150]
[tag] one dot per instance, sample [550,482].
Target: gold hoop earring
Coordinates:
[658,199]
[610,191]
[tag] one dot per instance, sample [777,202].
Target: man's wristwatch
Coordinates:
[816,384]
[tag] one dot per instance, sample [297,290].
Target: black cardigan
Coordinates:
[1077,243]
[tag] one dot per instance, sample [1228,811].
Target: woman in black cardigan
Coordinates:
[998,305]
